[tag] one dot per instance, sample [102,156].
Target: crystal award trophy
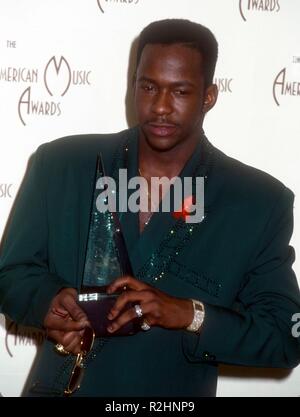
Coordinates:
[106,259]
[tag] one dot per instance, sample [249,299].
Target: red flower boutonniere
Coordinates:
[185,209]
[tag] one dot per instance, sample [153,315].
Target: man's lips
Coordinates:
[162,129]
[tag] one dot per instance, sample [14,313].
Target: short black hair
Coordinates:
[182,31]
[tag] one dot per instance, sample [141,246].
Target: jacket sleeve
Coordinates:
[26,286]
[259,332]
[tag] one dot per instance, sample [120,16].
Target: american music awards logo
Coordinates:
[6,190]
[104,5]
[54,81]
[287,82]
[225,85]
[248,7]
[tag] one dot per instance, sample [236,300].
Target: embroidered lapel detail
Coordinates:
[198,279]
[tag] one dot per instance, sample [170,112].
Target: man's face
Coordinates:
[170,95]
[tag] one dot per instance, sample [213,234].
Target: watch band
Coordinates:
[199,314]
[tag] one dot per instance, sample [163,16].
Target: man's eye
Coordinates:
[148,87]
[180,92]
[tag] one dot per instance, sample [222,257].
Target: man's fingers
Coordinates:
[70,304]
[126,297]
[63,310]
[126,281]
[71,326]
[60,311]
[149,309]
[127,316]
[70,341]
[55,322]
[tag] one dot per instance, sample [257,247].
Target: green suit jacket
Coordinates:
[237,261]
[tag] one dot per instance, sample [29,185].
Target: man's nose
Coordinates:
[162,103]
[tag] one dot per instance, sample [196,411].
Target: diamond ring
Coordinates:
[138,310]
[145,326]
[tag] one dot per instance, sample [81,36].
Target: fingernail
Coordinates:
[110,316]
[110,329]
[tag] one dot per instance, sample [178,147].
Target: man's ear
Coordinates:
[210,97]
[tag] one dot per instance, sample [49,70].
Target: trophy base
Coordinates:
[97,305]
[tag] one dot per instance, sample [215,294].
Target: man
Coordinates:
[219,291]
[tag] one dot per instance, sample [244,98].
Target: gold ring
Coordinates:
[61,350]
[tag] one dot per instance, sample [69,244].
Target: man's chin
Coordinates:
[161,144]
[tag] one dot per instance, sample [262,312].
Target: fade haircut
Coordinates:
[187,33]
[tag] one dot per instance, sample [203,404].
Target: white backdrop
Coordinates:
[63,70]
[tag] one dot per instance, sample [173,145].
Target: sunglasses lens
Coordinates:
[87,342]
[76,378]
[87,339]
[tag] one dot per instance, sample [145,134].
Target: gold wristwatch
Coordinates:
[199,314]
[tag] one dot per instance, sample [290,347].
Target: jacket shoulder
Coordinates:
[244,183]
[77,152]
[80,145]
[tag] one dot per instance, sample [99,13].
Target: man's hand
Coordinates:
[159,308]
[65,320]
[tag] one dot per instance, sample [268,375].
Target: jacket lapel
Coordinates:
[165,235]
